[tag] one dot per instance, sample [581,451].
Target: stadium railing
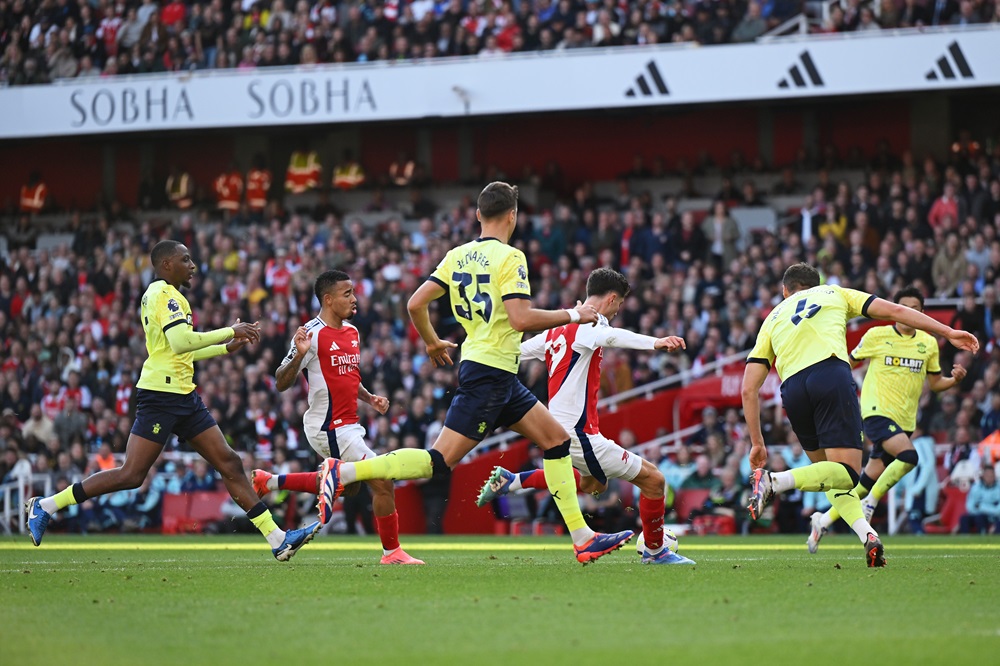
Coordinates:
[14,494]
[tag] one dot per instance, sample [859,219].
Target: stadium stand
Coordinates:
[42,42]
[68,299]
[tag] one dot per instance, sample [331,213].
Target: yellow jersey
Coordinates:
[895,377]
[163,307]
[808,327]
[479,276]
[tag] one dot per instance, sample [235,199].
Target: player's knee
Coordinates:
[438,463]
[655,484]
[909,456]
[855,477]
[556,451]
[131,477]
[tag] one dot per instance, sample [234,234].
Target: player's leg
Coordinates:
[140,454]
[904,459]
[352,447]
[324,443]
[483,393]
[876,431]
[205,437]
[538,425]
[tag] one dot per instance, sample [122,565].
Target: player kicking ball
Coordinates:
[328,348]
[901,358]
[166,402]
[805,338]
[572,354]
[487,282]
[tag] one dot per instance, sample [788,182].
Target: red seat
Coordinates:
[952,511]
[687,500]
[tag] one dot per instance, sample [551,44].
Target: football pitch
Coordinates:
[495,600]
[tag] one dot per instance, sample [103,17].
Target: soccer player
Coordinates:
[328,348]
[901,357]
[168,403]
[805,333]
[572,354]
[487,281]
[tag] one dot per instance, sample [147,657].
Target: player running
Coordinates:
[901,357]
[572,354]
[487,282]
[168,403]
[328,347]
[805,334]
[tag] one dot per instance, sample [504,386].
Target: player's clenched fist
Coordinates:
[671,343]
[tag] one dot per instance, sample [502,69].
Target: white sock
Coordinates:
[275,538]
[825,520]
[782,481]
[582,535]
[863,529]
[272,483]
[389,552]
[48,505]
[347,473]
[656,551]
[515,485]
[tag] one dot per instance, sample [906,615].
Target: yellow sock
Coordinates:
[823,475]
[849,507]
[896,470]
[395,466]
[562,484]
[834,515]
[265,523]
[64,498]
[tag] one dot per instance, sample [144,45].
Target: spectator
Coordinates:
[200,478]
[982,505]
[702,477]
[949,267]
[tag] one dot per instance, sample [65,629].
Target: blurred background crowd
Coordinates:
[46,40]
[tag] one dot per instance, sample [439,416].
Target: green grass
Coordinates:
[763,600]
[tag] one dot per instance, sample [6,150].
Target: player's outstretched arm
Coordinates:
[883,309]
[417,306]
[523,317]
[183,339]
[753,380]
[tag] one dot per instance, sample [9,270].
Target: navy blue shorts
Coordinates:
[822,406]
[880,428]
[486,398]
[159,413]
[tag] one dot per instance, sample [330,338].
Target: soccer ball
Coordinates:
[669,540]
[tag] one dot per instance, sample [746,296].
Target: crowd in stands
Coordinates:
[72,344]
[45,40]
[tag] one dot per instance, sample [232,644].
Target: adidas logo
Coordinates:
[334,346]
[643,85]
[944,66]
[796,74]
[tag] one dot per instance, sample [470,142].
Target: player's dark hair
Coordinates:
[800,276]
[604,280]
[909,291]
[324,283]
[163,250]
[496,199]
